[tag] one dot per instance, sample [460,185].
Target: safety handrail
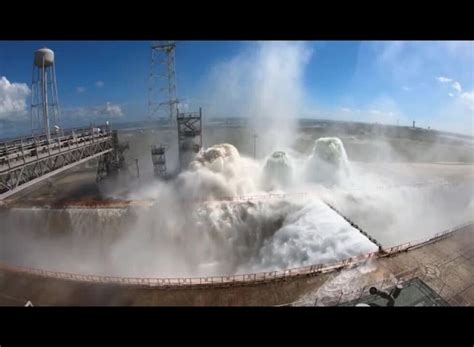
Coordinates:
[237,278]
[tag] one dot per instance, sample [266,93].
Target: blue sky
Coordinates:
[430,82]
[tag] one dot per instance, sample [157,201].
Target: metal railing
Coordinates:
[20,148]
[24,162]
[237,279]
[269,196]
[422,242]
[211,280]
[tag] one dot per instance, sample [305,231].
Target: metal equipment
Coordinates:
[158,157]
[189,136]
[162,96]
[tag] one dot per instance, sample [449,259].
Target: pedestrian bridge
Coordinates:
[29,160]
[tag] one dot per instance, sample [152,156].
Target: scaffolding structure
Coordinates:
[162,95]
[158,157]
[189,136]
[112,162]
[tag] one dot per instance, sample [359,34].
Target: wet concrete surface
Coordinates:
[446,266]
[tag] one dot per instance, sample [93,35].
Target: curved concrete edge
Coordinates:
[21,287]
[233,280]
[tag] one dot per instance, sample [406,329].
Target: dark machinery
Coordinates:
[158,157]
[112,162]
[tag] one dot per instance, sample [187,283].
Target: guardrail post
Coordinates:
[361,293]
[22,151]
[442,287]
[340,297]
[8,157]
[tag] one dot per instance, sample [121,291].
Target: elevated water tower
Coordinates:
[45,113]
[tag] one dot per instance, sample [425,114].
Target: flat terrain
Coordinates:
[404,159]
[446,266]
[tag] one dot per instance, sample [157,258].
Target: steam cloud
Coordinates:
[187,232]
[182,235]
[265,84]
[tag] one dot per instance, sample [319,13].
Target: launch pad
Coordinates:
[243,231]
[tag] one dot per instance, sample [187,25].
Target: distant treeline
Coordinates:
[333,126]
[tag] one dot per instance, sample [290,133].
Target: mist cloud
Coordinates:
[263,82]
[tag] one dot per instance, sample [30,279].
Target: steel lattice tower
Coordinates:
[189,136]
[162,97]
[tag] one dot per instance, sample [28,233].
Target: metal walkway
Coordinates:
[354,225]
[26,161]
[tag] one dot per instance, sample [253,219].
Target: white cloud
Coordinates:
[80,89]
[99,84]
[444,79]
[467,99]
[13,99]
[112,110]
[468,96]
[423,66]
[454,84]
[457,86]
[94,112]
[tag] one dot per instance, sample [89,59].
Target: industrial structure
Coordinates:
[112,162]
[189,136]
[162,95]
[158,157]
[45,113]
[163,103]
[431,271]
[28,160]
